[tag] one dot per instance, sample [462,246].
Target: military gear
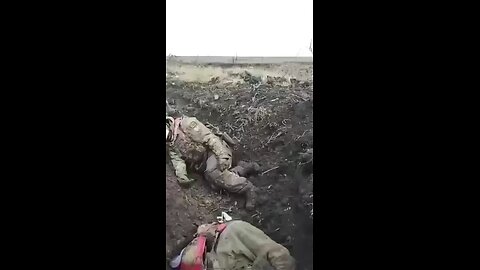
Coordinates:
[222,135]
[228,139]
[239,245]
[191,140]
[193,144]
[230,181]
[200,135]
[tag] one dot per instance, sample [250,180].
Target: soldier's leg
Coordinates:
[231,182]
[237,184]
[211,166]
[245,169]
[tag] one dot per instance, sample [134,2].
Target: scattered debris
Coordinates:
[224,217]
[269,170]
[215,80]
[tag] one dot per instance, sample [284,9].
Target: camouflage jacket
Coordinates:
[192,141]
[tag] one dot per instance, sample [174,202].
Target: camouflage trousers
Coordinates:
[231,180]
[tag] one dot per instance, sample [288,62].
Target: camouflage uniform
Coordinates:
[241,246]
[194,144]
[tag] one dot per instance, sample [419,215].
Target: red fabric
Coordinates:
[198,264]
[221,227]
[201,246]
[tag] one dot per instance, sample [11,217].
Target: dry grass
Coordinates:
[197,73]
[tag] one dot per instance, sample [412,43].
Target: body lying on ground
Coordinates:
[233,245]
[191,143]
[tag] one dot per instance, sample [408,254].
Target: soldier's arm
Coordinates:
[200,133]
[266,251]
[179,166]
[280,258]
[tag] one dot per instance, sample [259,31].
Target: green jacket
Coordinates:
[241,245]
[192,142]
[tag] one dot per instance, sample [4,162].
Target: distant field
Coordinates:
[204,72]
[238,60]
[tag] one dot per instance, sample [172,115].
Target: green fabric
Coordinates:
[242,245]
[201,134]
[179,166]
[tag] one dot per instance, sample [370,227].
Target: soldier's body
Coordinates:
[233,245]
[192,143]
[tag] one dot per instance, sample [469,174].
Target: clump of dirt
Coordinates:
[272,123]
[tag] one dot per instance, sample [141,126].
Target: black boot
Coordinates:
[245,169]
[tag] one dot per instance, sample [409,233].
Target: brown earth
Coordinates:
[271,118]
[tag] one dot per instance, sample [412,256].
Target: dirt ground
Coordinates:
[268,110]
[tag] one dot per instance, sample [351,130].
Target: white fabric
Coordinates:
[177,260]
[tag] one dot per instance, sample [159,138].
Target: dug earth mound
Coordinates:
[271,119]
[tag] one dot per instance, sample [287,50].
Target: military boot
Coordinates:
[251,197]
[245,169]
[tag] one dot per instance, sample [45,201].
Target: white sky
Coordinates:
[242,27]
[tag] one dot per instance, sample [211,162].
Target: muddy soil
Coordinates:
[271,118]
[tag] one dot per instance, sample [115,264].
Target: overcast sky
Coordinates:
[242,27]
